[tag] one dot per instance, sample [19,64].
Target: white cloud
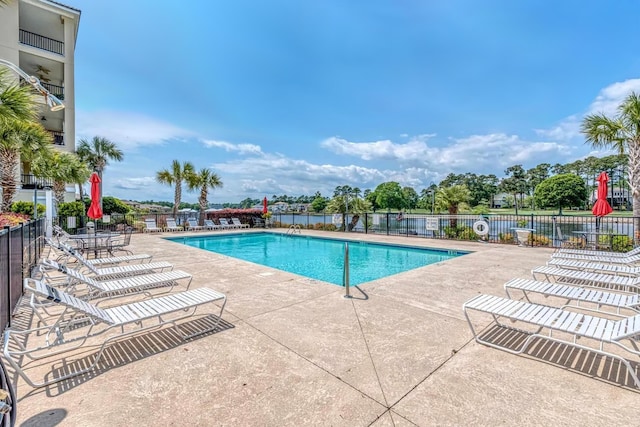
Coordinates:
[606,102]
[127,130]
[384,150]
[134,183]
[229,147]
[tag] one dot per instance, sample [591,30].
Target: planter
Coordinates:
[523,235]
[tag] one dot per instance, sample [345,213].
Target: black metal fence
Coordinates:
[20,250]
[616,233]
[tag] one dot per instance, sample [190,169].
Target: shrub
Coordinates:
[621,244]
[506,238]
[318,226]
[26,208]
[330,227]
[537,240]
[71,209]
[111,205]
[522,223]
[460,232]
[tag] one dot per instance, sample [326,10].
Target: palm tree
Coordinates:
[19,140]
[451,199]
[97,153]
[204,180]
[338,205]
[17,102]
[176,175]
[622,133]
[61,167]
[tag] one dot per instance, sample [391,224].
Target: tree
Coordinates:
[515,183]
[319,204]
[622,133]
[61,167]
[389,195]
[19,139]
[17,102]
[410,197]
[97,153]
[114,205]
[338,205]
[535,176]
[451,199]
[564,190]
[204,180]
[176,175]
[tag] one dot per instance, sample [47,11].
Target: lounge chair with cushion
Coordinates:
[192,225]
[140,317]
[172,226]
[603,331]
[586,278]
[238,224]
[150,226]
[210,225]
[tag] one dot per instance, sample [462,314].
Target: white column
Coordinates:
[69,85]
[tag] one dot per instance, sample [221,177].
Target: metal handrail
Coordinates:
[345,273]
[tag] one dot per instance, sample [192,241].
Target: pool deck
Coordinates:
[294,352]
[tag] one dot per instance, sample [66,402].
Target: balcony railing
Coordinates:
[58,137]
[31,181]
[55,90]
[41,42]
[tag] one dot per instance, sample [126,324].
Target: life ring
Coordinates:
[481,228]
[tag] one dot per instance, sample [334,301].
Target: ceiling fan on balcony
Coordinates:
[43,73]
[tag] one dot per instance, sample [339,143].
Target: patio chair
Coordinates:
[579,325]
[210,225]
[150,226]
[192,225]
[68,251]
[586,278]
[224,223]
[604,258]
[121,242]
[237,223]
[575,294]
[156,313]
[593,266]
[100,288]
[172,226]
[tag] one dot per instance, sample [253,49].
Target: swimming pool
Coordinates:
[320,258]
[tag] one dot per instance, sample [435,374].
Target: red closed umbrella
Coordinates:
[602,207]
[264,205]
[95,211]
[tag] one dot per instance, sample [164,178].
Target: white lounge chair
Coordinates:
[225,223]
[172,226]
[155,313]
[210,225]
[192,225]
[239,224]
[575,294]
[68,251]
[100,288]
[602,330]
[632,252]
[619,269]
[604,259]
[150,226]
[586,278]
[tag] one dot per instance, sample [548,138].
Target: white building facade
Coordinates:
[39,36]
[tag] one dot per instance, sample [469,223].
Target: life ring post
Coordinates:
[481,227]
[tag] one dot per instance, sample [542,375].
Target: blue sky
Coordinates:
[293,97]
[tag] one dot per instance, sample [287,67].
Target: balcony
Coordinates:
[57,91]
[30,182]
[58,137]
[41,42]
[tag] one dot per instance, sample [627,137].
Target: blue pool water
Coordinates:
[319,258]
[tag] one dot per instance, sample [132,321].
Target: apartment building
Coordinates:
[39,36]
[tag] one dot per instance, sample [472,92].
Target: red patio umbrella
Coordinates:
[264,205]
[602,207]
[95,211]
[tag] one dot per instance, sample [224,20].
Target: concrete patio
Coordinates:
[294,352]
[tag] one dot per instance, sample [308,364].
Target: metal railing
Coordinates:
[30,181]
[41,42]
[20,250]
[58,137]
[57,91]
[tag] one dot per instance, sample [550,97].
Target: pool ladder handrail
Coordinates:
[294,228]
